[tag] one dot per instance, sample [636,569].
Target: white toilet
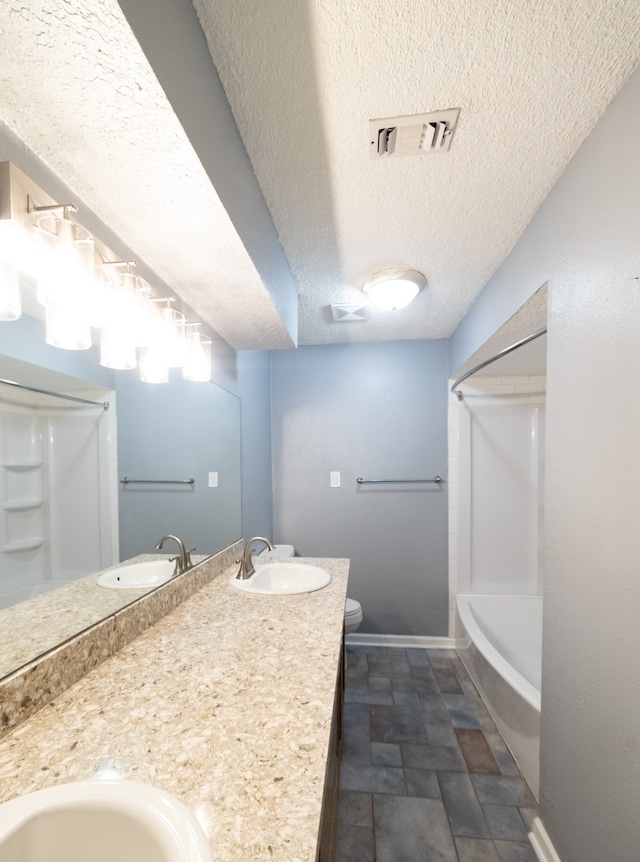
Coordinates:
[278,553]
[352,609]
[352,616]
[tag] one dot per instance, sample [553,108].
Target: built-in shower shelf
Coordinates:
[22,505]
[26,545]
[22,465]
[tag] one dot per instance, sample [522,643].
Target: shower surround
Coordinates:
[496,522]
[57,493]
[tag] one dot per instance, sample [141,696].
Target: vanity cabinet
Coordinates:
[329,819]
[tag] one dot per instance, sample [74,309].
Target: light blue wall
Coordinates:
[175,430]
[254,389]
[178,430]
[585,240]
[376,411]
[24,339]
[551,243]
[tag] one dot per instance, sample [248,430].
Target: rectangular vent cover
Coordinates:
[345,313]
[413,135]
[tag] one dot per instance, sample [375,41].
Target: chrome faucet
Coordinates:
[246,563]
[183,560]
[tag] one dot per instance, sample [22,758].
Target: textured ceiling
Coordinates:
[77,89]
[303,77]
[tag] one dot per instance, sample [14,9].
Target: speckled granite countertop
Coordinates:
[226,703]
[32,627]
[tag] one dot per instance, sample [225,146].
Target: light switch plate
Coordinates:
[213,480]
[334,479]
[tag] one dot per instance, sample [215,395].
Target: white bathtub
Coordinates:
[501,646]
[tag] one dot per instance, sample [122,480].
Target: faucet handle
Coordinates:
[176,570]
[188,558]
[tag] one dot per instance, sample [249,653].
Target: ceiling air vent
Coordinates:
[345,313]
[413,135]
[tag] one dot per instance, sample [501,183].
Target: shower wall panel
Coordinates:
[55,498]
[507,443]
[496,468]
[79,508]
[22,522]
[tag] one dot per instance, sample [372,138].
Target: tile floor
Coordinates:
[425,775]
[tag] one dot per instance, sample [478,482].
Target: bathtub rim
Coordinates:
[509,674]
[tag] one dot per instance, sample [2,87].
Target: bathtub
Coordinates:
[501,645]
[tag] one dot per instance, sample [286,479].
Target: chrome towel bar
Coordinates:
[436,480]
[126,480]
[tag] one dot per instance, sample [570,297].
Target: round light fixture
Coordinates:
[393,289]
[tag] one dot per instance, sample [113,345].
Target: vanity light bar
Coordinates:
[23,203]
[24,206]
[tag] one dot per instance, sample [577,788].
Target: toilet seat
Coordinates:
[352,608]
[352,615]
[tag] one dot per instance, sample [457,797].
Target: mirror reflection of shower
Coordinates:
[55,491]
[63,505]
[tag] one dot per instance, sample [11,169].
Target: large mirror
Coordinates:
[66,514]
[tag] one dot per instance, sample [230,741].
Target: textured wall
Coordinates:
[254,389]
[178,430]
[591,694]
[377,411]
[24,339]
[584,241]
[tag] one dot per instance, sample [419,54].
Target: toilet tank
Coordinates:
[279,552]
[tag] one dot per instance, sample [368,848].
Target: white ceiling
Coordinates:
[303,79]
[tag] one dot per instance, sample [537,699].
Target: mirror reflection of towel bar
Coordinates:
[436,479]
[125,481]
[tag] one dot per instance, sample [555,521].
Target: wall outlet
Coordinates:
[334,479]
[213,480]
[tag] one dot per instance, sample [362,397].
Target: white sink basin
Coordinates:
[138,576]
[283,579]
[100,821]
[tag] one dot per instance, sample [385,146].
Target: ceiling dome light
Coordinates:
[393,289]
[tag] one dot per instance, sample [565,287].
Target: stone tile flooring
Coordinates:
[425,775]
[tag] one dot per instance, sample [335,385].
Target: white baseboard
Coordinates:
[541,843]
[402,641]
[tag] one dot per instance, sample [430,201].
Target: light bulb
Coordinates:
[197,364]
[10,305]
[393,289]
[153,366]
[67,287]
[174,337]
[66,328]
[115,351]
